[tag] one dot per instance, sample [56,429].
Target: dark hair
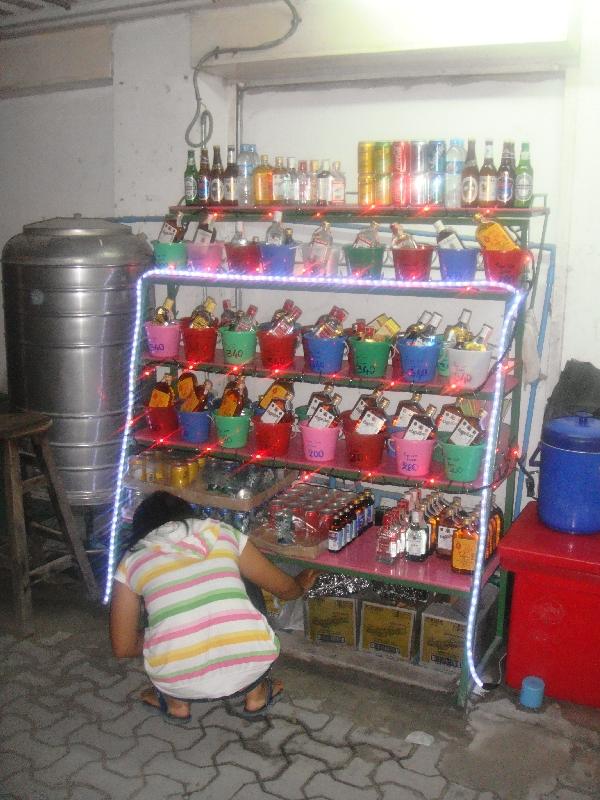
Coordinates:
[155,510]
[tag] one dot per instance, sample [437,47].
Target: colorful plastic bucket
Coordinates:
[171,254]
[458,265]
[364,262]
[272,439]
[511,267]
[438,454]
[413,264]
[327,267]
[413,458]
[161,420]
[325,356]
[163,340]
[301,413]
[244,259]
[369,359]
[364,451]
[468,369]
[277,259]
[419,362]
[199,344]
[462,463]
[207,257]
[319,443]
[232,432]
[277,352]
[239,347]
[195,425]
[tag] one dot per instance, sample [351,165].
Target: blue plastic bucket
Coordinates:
[458,265]
[194,425]
[277,259]
[419,362]
[325,355]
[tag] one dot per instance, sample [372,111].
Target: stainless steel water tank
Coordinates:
[69,310]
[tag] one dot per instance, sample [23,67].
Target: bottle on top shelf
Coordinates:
[203,179]
[491,235]
[324,184]
[303,184]
[487,177]
[505,179]
[338,191]
[447,238]
[469,182]
[294,184]
[524,179]
[230,177]
[244,183]
[190,179]
[262,181]
[455,162]
[281,182]
[313,170]
[216,178]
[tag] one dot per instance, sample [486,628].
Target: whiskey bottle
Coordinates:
[368,237]
[469,430]
[163,394]
[232,401]
[400,239]
[492,235]
[449,417]
[417,538]
[422,426]
[447,238]
[163,315]
[322,396]
[479,342]
[363,402]
[202,315]
[416,328]
[262,181]
[373,420]
[407,409]
[326,414]
[275,233]
[278,389]
[464,546]
[449,521]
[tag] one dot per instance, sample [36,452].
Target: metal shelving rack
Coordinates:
[502,382]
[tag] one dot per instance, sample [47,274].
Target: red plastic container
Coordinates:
[364,451]
[413,264]
[199,344]
[277,352]
[272,439]
[161,420]
[511,267]
[244,259]
[554,631]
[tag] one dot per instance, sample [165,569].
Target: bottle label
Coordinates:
[229,189]
[167,232]
[370,423]
[451,242]
[185,387]
[469,189]
[159,399]
[321,419]
[523,187]
[464,433]
[273,392]
[203,189]
[216,190]
[445,538]
[463,554]
[312,407]
[417,431]
[454,167]
[280,188]
[404,417]
[273,413]
[487,188]
[416,542]
[504,188]
[190,188]
[448,422]
[338,193]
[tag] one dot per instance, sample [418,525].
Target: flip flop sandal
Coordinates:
[270,700]
[163,709]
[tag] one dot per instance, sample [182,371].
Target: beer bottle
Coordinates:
[203,179]
[230,179]
[190,179]
[524,179]
[487,177]
[505,179]
[469,181]
[262,178]
[216,178]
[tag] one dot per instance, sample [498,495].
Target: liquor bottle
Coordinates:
[230,177]
[479,342]
[524,179]
[190,179]
[338,190]
[447,238]
[429,518]
[186,387]
[455,162]
[303,184]
[288,237]
[287,306]
[173,229]
[163,394]
[505,178]
[373,419]
[428,334]
[216,178]
[469,430]
[400,239]
[460,331]
[417,538]
[262,181]
[247,321]
[244,190]
[422,426]
[450,519]
[321,396]
[332,326]
[203,179]
[326,414]
[313,171]
[278,410]
[286,324]
[497,517]
[239,238]
[228,314]
[232,401]
[368,237]
[365,401]
[163,315]
[275,232]
[406,410]
[294,186]
[324,184]
[281,182]
[320,246]
[469,180]
[277,389]
[335,538]
[487,177]
[416,328]
[202,315]
[198,399]
[449,417]
[492,235]
[464,546]
[205,232]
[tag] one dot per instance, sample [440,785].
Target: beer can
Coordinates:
[401,156]
[179,474]
[366,189]
[418,189]
[382,158]
[400,189]
[418,156]
[435,191]
[366,153]
[383,190]
[437,156]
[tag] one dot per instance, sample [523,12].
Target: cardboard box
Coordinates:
[387,630]
[443,630]
[331,620]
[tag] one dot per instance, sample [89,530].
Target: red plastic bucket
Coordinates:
[161,420]
[510,267]
[277,352]
[199,344]
[163,340]
[244,259]
[364,451]
[413,458]
[272,439]
[319,443]
[413,264]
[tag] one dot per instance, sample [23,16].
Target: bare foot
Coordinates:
[257,697]
[178,709]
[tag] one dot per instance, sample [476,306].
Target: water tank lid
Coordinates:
[76,226]
[580,432]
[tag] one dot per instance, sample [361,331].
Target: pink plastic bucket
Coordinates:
[413,458]
[413,264]
[272,439]
[199,344]
[206,257]
[319,443]
[277,352]
[364,451]
[163,340]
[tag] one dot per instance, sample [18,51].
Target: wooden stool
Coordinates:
[32,426]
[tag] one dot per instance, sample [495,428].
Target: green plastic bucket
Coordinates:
[462,463]
[370,359]
[232,432]
[441,438]
[239,347]
[170,253]
[364,262]
[302,412]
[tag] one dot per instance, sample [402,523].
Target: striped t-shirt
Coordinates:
[204,638]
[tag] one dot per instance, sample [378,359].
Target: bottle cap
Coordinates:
[277,216]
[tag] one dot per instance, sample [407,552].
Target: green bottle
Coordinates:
[524,179]
[190,180]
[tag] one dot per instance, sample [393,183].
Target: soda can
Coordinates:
[382,158]
[400,189]
[437,156]
[366,153]
[179,474]
[418,156]
[366,189]
[418,189]
[436,186]
[383,190]
[401,156]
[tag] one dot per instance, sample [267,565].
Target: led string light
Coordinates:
[225,279]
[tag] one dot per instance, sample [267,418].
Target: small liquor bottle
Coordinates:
[363,402]
[228,315]
[373,420]
[400,239]
[286,324]
[164,314]
[414,330]
[422,426]
[279,410]
[333,325]
[492,235]
[447,238]
[406,409]
[186,388]
[287,306]
[247,321]
[275,231]
[232,402]
[368,237]
[479,342]
[464,546]
[316,398]
[469,430]
[278,389]
[449,521]
[163,395]
[202,315]
[449,417]
[417,538]
[459,332]
[326,414]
